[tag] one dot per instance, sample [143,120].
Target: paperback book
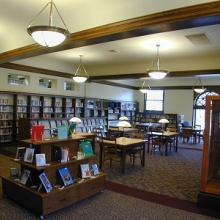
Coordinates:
[40,160]
[87,148]
[95,169]
[85,171]
[45,182]
[29,155]
[65,176]
[25,175]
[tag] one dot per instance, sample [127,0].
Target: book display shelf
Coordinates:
[49,188]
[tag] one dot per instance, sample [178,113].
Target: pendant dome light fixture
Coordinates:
[144,89]
[157,74]
[198,87]
[81,74]
[48,35]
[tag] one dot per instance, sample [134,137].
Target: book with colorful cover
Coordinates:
[87,148]
[85,171]
[65,176]
[40,160]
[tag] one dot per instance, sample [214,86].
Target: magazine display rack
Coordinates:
[36,198]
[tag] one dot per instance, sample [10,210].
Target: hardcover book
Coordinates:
[45,182]
[87,148]
[65,176]
[85,171]
[40,160]
[29,155]
[25,176]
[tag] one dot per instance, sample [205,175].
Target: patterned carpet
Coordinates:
[176,175]
[107,205]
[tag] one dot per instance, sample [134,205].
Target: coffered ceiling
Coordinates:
[130,50]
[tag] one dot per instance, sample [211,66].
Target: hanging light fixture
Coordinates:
[198,87]
[48,35]
[81,74]
[157,74]
[144,89]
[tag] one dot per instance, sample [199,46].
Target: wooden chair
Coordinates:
[110,151]
[172,140]
[187,134]
[158,143]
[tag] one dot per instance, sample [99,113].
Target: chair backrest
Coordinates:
[187,132]
[171,129]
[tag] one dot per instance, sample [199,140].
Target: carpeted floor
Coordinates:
[176,175]
[107,205]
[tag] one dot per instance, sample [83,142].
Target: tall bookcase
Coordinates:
[55,109]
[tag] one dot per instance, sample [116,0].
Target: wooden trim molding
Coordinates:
[181,18]
[32,69]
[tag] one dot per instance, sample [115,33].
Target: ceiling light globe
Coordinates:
[199,90]
[144,90]
[157,74]
[79,79]
[48,36]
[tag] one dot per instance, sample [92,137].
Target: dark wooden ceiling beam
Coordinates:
[187,17]
[188,73]
[32,69]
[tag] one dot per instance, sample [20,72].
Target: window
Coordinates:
[69,86]
[15,79]
[47,83]
[199,108]
[154,100]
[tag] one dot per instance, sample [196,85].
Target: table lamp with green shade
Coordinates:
[73,122]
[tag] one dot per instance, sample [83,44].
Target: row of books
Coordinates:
[60,154]
[87,171]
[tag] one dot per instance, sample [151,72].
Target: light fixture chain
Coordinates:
[51,14]
[60,17]
[37,15]
[158,57]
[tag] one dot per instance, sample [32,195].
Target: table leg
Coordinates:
[166,146]
[176,148]
[148,144]
[100,155]
[123,157]
[143,156]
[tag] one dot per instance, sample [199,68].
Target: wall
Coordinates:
[179,102]
[89,89]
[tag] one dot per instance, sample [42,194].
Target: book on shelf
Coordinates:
[29,155]
[65,155]
[45,182]
[14,173]
[25,175]
[20,152]
[40,160]
[65,176]
[87,148]
[62,131]
[37,132]
[95,169]
[85,171]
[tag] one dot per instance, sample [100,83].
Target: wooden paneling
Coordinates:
[187,17]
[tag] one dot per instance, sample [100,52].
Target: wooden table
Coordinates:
[166,135]
[123,144]
[123,131]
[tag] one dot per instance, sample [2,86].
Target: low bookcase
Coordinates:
[43,203]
